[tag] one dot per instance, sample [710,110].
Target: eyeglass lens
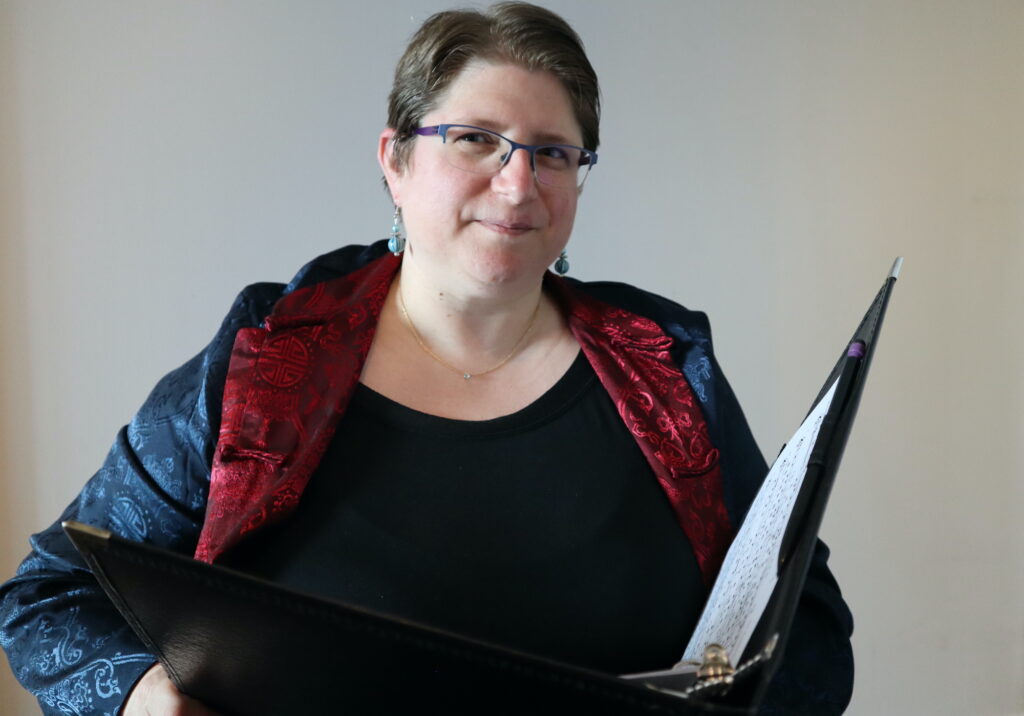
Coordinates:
[482,152]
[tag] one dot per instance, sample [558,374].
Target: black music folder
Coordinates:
[248,647]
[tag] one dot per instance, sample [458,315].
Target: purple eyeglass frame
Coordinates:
[441,130]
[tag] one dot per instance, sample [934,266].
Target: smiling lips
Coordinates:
[506,227]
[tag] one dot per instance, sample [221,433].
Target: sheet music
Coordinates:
[748,574]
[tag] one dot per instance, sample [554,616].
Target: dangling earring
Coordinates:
[562,264]
[396,244]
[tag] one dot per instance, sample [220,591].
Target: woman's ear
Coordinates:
[389,163]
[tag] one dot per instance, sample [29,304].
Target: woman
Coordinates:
[439,428]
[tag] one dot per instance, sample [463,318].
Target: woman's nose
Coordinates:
[516,177]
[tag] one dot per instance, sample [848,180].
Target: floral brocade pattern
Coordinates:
[630,355]
[289,381]
[62,660]
[87,687]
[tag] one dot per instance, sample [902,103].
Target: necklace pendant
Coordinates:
[467,376]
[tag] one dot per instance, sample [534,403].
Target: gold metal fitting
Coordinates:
[716,667]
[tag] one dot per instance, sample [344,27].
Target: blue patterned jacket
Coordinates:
[69,646]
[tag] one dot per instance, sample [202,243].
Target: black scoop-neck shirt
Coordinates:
[544,530]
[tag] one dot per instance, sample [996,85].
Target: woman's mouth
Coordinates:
[511,228]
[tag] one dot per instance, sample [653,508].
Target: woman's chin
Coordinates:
[504,267]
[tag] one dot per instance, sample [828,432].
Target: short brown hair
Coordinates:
[516,32]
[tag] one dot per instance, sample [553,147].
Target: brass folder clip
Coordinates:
[715,669]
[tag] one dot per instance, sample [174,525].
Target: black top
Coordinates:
[544,530]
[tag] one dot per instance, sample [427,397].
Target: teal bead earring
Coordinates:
[562,264]
[396,243]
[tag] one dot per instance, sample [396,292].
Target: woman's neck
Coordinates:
[467,355]
[470,329]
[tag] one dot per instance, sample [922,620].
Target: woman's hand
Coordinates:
[156,695]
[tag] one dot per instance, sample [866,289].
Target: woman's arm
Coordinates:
[65,641]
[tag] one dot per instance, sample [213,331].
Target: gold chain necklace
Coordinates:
[465,374]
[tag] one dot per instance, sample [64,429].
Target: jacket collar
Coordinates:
[290,380]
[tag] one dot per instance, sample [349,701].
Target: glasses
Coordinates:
[481,151]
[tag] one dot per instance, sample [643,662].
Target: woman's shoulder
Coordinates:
[678,321]
[336,264]
[190,395]
[256,301]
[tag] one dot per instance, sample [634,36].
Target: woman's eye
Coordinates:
[553,153]
[476,138]
[555,157]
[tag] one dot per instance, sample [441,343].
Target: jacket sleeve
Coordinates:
[64,640]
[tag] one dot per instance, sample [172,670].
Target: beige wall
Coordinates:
[764,161]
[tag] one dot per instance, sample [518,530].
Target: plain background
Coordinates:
[762,161]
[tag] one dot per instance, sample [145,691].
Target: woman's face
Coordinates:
[480,233]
